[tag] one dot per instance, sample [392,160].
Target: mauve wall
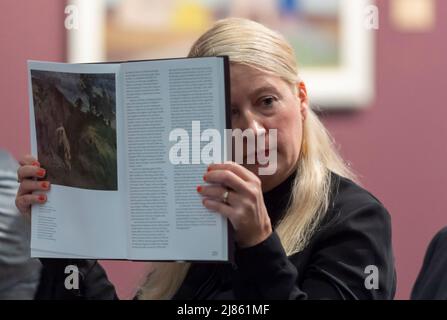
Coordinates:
[397,145]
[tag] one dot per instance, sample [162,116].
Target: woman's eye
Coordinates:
[234,112]
[268,101]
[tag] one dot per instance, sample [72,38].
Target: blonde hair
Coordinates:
[250,43]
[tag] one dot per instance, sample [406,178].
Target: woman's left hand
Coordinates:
[244,205]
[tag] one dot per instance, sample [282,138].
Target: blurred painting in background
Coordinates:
[146,29]
[333,47]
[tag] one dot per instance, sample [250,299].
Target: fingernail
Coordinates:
[204,178]
[41,198]
[44,185]
[36,164]
[41,172]
[199,189]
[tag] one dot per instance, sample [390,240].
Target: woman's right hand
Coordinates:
[31,178]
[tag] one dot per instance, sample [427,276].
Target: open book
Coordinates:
[112,138]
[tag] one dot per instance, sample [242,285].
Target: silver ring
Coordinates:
[225,196]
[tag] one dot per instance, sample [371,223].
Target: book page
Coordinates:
[77,134]
[167,220]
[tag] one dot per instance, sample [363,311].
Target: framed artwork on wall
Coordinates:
[335,51]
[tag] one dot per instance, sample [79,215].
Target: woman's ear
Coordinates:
[304,100]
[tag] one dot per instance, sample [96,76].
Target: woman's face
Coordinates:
[263,102]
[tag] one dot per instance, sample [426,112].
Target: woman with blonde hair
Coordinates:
[306,232]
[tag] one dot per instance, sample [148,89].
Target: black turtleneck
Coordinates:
[277,199]
[354,235]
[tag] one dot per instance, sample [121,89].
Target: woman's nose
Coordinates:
[252,123]
[257,128]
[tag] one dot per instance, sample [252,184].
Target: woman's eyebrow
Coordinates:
[262,89]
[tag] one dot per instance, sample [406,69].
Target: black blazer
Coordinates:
[336,264]
[432,280]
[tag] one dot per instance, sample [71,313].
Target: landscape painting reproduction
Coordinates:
[142,29]
[75,118]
